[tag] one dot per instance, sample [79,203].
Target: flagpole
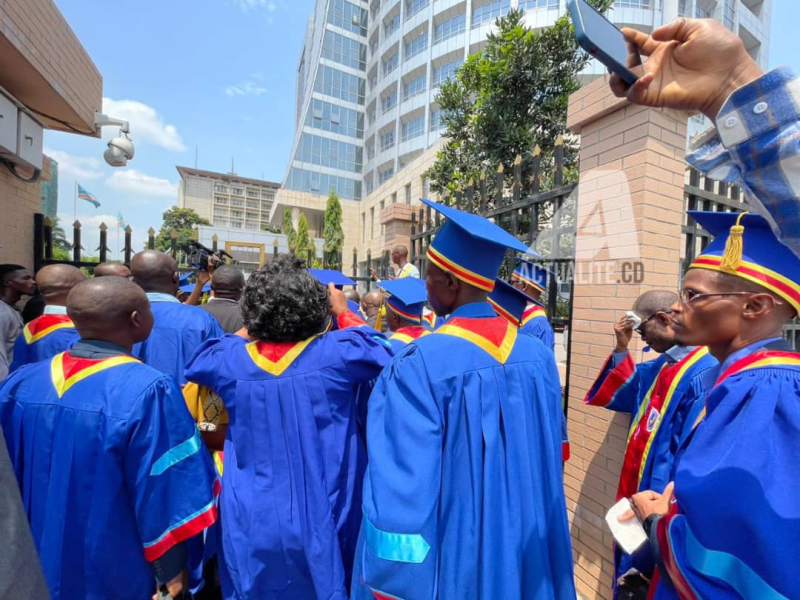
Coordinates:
[118,216]
[75,200]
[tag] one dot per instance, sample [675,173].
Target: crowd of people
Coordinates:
[285,440]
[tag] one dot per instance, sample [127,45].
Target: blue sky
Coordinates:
[217,75]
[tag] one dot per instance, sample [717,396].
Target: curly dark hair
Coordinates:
[283,302]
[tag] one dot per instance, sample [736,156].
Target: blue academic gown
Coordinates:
[535,323]
[178,332]
[625,387]
[463,496]
[735,528]
[293,460]
[111,469]
[43,338]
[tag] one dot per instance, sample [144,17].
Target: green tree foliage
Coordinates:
[288,230]
[271,228]
[180,219]
[507,99]
[304,242]
[332,232]
[59,237]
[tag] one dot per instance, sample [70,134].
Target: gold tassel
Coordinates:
[734,248]
[379,318]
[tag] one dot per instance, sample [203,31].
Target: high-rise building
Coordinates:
[226,199]
[369,73]
[50,191]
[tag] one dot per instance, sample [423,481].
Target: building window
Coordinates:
[385,175]
[337,119]
[388,102]
[414,6]
[682,8]
[450,28]
[489,12]
[314,182]
[526,4]
[445,72]
[218,212]
[417,45]
[336,83]
[436,120]
[408,193]
[372,222]
[221,188]
[237,191]
[425,187]
[631,3]
[701,12]
[330,153]
[413,128]
[414,87]
[237,203]
[391,63]
[389,27]
[220,200]
[363,227]
[348,16]
[394,198]
[729,14]
[387,140]
[345,51]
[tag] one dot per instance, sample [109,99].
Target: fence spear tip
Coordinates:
[537,151]
[518,161]
[560,140]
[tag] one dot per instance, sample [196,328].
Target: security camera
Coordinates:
[120,151]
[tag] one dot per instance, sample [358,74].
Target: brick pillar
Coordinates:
[630,206]
[397,221]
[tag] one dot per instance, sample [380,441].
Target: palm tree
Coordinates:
[59,237]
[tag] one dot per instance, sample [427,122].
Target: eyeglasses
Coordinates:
[689,296]
[641,325]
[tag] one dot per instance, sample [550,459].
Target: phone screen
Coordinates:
[606,37]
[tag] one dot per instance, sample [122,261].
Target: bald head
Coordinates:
[372,302]
[56,281]
[654,301]
[353,295]
[108,269]
[227,282]
[111,309]
[155,272]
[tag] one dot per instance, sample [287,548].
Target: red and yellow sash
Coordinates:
[276,357]
[66,370]
[645,425]
[496,336]
[409,334]
[533,312]
[44,326]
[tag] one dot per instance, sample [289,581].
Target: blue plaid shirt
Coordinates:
[756,146]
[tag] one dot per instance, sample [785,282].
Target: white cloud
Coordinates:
[140,184]
[146,124]
[70,166]
[269,5]
[246,88]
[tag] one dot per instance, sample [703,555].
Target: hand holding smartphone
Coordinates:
[604,41]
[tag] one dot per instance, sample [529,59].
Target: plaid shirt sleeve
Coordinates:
[756,145]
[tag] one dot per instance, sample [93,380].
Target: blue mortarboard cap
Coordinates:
[508,301]
[326,276]
[532,274]
[745,246]
[184,279]
[470,247]
[189,288]
[407,297]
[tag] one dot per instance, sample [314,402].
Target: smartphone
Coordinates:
[604,41]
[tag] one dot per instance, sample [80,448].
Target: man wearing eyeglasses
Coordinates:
[732,528]
[662,395]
